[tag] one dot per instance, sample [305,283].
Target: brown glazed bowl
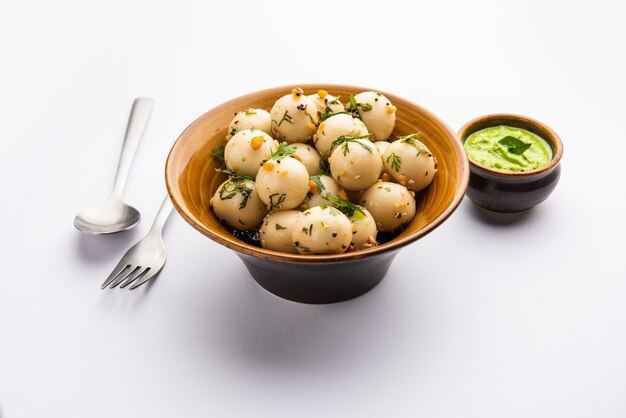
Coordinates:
[192,180]
[506,192]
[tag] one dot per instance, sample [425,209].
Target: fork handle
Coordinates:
[162,215]
[142,108]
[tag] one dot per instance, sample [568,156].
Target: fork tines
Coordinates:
[127,274]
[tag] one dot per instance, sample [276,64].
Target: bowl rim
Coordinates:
[553,138]
[396,244]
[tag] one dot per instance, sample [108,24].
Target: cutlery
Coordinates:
[114,215]
[144,259]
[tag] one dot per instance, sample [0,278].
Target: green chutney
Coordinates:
[499,147]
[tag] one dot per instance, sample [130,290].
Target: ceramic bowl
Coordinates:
[192,180]
[505,192]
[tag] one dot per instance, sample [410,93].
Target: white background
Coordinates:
[475,320]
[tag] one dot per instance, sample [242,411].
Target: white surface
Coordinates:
[475,320]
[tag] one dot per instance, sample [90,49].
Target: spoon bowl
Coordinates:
[107,218]
[114,215]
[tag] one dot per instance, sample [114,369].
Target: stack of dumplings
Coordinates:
[318,176]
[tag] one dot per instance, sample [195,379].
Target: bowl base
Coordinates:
[319,283]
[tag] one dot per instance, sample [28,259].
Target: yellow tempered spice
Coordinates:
[256,142]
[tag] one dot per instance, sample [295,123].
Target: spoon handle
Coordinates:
[142,107]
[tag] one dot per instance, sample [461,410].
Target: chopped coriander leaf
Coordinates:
[345,139]
[275,125]
[250,112]
[283,149]
[407,138]
[286,118]
[514,145]
[345,206]
[352,103]
[353,107]
[276,200]
[396,161]
[219,152]
[233,187]
[320,186]
[279,227]
[301,247]
[365,107]
[410,139]
[326,115]
[233,175]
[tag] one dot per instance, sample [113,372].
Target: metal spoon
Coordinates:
[114,215]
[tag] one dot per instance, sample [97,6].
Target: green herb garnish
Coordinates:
[298,246]
[250,112]
[345,139]
[283,149]
[326,115]
[352,103]
[353,107]
[514,145]
[318,182]
[276,200]
[410,139]
[219,153]
[365,107]
[234,186]
[396,161]
[233,175]
[279,227]
[286,118]
[345,206]
[331,210]
[324,166]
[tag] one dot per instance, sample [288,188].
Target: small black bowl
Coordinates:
[510,192]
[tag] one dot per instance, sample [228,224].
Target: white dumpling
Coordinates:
[282,183]
[410,163]
[391,205]
[326,103]
[294,117]
[382,146]
[276,230]
[318,195]
[249,119]
[321,230]
[356,164]
[364,229]
[246,151]
[377,113]
[237,203]
[309,157]
[336,126]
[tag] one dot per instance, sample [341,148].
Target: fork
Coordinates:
[144,259]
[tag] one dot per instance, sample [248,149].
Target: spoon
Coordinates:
[114,215]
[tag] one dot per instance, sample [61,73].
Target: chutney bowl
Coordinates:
[506,192]
[191,179]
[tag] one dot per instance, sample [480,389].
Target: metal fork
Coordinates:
[144,259]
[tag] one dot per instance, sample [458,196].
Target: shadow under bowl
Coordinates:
[505,192]
[192,180]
